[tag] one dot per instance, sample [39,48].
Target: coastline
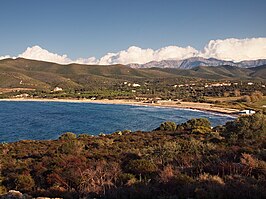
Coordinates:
[166,104]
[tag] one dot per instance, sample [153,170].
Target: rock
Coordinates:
[12,194]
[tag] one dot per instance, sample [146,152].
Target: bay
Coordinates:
[48,120]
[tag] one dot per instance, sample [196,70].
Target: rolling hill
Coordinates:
[46,75]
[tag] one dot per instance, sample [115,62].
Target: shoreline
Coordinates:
[165,104]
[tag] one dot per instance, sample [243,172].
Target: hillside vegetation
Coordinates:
[37,79]
[43,75]
[190,160]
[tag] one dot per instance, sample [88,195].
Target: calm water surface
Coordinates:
[48,120]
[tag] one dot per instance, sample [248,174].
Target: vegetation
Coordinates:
[38,79]
[168,126]
[189,160]
[246,128]
[68,136]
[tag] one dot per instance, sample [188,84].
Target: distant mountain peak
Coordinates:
[198,61]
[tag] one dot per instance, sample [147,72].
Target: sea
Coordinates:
[48,120]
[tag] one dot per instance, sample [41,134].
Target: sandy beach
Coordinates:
[168,104]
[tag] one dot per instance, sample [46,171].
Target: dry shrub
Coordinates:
[127,179]
[99,177]
[255,96]
[245,98]
[248,160]
[166,174]
[237,93]
[210,186]
[212,179]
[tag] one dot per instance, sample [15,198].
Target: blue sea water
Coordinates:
[48,120]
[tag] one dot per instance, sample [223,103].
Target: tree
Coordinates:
[196,125]
[246,128]
[168,126]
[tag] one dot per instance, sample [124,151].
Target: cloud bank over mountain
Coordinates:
[235,49]
[228,49]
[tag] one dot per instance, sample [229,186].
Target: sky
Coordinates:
[124,31]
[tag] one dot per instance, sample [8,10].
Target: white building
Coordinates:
[247,112]
[135,85]
[57,89]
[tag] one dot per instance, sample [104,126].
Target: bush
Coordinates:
[84,136]
[68,136]
[255,96]
[168,126]
[245,98]
[127,179]
[141,166]
[246,128]
[3,190]
[198,125]
[24,183]
[71,147]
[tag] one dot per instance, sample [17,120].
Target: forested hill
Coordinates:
[38,74]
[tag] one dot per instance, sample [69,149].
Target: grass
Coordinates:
[231,102]
[223,99]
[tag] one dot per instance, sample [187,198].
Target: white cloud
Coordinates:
[236,49]
[138,55]
[90,60]
[227,49]
[174,52]
[37,53]
[109,58]
[4,57]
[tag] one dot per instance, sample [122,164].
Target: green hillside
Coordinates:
[24,73]
[259,72]
[220,72]
[42,75]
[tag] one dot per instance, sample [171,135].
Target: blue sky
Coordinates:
[85,28]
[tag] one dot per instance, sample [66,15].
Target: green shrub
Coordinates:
[141,166]
[246,128]
[71,147]
[84,136]
[3,190]
[168,126]
[24,183]
[183,179]
[127,179]
[196,125]
[68,136]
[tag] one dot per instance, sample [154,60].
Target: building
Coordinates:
[135,85]
[57,89]
[246,112]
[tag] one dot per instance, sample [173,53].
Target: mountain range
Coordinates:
[198,61]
